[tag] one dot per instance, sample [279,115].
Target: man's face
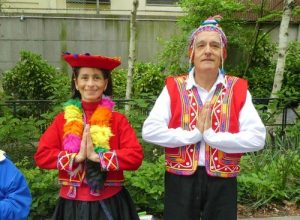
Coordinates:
[207,51]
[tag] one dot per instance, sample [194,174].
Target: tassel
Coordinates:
[94,176]
[72,192]
[222,71]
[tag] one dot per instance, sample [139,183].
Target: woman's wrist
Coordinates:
[79,158]
[94,157]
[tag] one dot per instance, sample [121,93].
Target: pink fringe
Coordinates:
[72,143]
[107,102]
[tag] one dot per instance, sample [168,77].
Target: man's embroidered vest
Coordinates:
[185,106]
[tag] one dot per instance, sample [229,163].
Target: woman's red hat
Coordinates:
[93,61]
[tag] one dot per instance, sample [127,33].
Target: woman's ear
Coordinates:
[106,83]
[75,83]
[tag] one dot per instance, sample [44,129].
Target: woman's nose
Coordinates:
[90,82]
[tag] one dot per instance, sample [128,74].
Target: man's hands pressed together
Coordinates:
[204,118]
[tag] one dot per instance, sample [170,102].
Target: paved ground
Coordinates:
[266,218]
[274,218]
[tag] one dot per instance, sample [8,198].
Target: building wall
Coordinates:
[293,33]
[49,36]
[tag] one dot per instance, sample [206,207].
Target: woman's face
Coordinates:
[90,83]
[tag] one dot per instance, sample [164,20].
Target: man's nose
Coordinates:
[207,49]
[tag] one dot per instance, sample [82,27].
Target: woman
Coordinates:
[91,145]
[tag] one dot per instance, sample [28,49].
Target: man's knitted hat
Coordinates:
[210,24]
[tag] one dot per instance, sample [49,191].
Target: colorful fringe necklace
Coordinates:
[99,122]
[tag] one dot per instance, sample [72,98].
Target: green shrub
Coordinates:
[18,137]
[119,77]
[290,91]
[294,130]
[34,79]
[44,189]
[263,56]
[30,78]
[271,175]
[60,88]
[137,115]
[291,82]
[260,81]
[15,131]
[146,186]
[174,56]
[148,81]
[3,108]
[18,153]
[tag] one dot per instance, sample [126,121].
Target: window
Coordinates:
[88,1]
[161,2]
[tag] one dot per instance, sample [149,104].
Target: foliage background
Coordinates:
[268,176]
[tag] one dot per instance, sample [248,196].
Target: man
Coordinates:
[206,121]
[15,198]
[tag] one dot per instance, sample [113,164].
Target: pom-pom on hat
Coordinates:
[93,61]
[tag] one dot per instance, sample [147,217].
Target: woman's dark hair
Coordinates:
[106,74]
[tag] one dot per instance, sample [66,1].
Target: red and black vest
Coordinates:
[185,106]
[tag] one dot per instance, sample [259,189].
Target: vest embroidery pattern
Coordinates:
[219,163]
[184,160]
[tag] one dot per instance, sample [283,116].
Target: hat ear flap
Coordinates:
[191,53]
[224,53]
[191,58]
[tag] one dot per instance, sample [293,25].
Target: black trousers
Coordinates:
[200,196]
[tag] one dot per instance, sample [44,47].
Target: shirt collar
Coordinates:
[190,81]
[2,155]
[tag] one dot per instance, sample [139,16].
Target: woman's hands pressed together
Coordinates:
[86,147]
[81,156]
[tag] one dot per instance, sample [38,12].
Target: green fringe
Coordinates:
[75,102]
[99,149]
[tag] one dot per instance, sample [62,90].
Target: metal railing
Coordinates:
[161,2]
[288,111]
[88,1]
[35,108]
[16,105]
[86,4]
